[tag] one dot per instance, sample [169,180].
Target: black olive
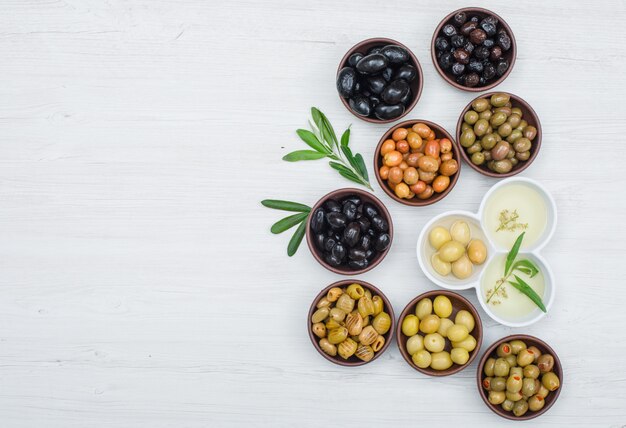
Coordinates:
[337,237]
[458,69]
[460,79]
[475,18]
[318,223]
[382,242]
[461,56]
[349,209]
[370,254]
[356,200]
[376,84]
[481,52]
[491,19]
[482,81]
[489,25]
[395,54]
[446,60]
[365,91]
[329,243]
[475,65]
[380,224]
[458,40]
[469,46]
[477,36]
[360,105]
[504,41]
[374,100]
[385,111]
[339,251]
[346,81]
[365,242]
[358,264]
[320,238]
[356,254]
[369,210]
[472,79]
[468,27]
[332,260]
[351,234]
[489,71]
[407,98]
[375,49]
[502,67]
[489,43]
[364,223]
[354,58]
[496,53]
[332,206]
[460,18]
[336,220]
[449,30]
[371,232]
[395,91]
[387,73]
[442,43]
[372,63]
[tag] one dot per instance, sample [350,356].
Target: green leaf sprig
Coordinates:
[290,221]
[323,140]
[524,266]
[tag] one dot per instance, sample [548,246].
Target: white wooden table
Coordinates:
[139,283]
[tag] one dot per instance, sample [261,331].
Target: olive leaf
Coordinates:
[528,291]
[296,239]
[361,163]
[510,258]
[288,222]
[345,137]
[310,138]
[285,205]
[526,266]
[300,155]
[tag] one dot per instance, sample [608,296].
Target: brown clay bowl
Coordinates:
[416,85]
[353,360]
[528,114]
[458,303]
[365,197]
[530,341]
[440,132]
[510,55]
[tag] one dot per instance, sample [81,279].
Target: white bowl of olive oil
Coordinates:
[515,209]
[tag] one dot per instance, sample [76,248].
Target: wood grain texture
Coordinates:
[139,283]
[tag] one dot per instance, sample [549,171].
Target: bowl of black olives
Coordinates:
[473,49]
[379,80]
[349,231]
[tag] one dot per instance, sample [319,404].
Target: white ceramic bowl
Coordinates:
[479,231]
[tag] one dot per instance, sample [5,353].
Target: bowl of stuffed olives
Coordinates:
[439,333]
[379,80]
[351,322]
[519,377]
[349,231]
[499,134]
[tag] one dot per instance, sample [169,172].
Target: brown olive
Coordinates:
[427,193]
[384,172]
[449,167]
[388,146]
[412,159]
[402,146]
[502,166]
[441,183]
[445,145]
[500,150]
[422,130]
[399,134]
[402,190]
[414,140]
[545,363]
[393,158]
[428,164]
[395,175]
[426,177]
[411,176]
[418,187]
[530,132]
[432,149]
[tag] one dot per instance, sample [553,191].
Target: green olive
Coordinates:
[485,115]
[415,344]
[488,141]
[410,325]
[525,357]
[504,130]
[501,367]
[487,383]
[530,132]
[523,124]
[487,154]
[531,371]
[512,360]
[510,154]
[517,111]
[550,381]
[478,158]
[514,396]
[425,306]
[500,99]
[516,371]
[504,349]
[522,145]
[520,408]
[467,137]
[500,150]
[502,166]
[543,391]
[545,363]
[337,335]
[508,405]
[498,384]
[528,387]
[320,315]
[328,347]
[489,364]
[422,358]
[536,352]
[514,161]
[480,127]
[514,120]
[514,383]
[536,403]
[476,147]
[514,136]
[516,346]
[467,126]
[441,360]
[522,156]
[505,110]
[451,251]
[496,397]
[480,104]
[498,119]
[471,117]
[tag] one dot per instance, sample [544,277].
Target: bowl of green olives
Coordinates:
[439,333]
[351,323]
[519,377]
[499,134]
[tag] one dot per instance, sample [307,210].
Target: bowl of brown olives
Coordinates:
[439,333]
[499,134]
[417,162]
[351,323]
[349,231]
[519,377]
[473,49]
[379,80]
